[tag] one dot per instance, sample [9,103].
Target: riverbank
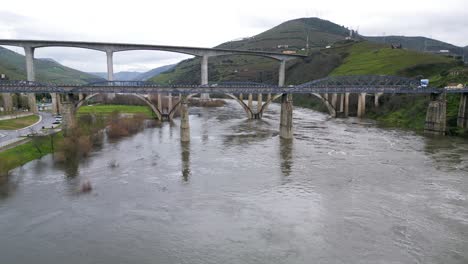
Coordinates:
[33,148]
[109,109]
[18,122]
[407,112]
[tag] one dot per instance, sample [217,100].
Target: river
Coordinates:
[343,191]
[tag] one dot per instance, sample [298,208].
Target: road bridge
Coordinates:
[333,91]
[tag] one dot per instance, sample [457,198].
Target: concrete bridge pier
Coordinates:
[376,99]
[250,103]
[31,76]
[436,115]
[462,121]
[110,71]
[361,112]
[346,105]
[259,103]
[184,120]
[169,102]
[68,109]
[7,102]
[286,119]
[159,106]
[334,100]
[55,103]
[204,76]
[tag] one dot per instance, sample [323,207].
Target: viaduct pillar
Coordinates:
[249,103]
[259,103]
[346,105]
[184,120]
[110,70]
[7,102]
[436,115]
[376,99]
[55,103]
[204,76]
[361,105]
[286,118]
[31,76]
[462,121]
[68,112]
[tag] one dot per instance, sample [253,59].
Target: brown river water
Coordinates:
[343,191]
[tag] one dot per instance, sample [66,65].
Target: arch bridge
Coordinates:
[333,91]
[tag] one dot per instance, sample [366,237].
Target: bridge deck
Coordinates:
[28,87]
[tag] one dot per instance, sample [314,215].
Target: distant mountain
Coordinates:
[152,73]
[293,34]
[99,74]
[47,70]
[329,52]
[422,44]
[119,76]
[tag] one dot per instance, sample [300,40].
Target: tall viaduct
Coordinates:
[334,92]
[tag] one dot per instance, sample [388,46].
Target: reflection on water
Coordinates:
[286,148]
[340,192]
[185,151]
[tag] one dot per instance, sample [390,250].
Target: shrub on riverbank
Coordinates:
[124,126]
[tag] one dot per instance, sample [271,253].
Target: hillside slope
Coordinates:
[13,65]
[366,58]
[290,35]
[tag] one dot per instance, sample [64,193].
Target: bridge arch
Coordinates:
[141,97]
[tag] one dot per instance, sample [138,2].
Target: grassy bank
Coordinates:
[109,109]
[18,123]
[24,153]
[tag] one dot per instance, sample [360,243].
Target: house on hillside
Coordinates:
[3,76]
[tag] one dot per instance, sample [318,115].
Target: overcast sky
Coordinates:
[207,23]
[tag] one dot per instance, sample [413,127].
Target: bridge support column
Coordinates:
[81,96]
[259,103]
[7,102]
[341,103]
[361,112]
[55,103]
[346,105]
[250,103]
[241,97]
[68,113]
[334,100]
[376,99]
[462,121]
[286,119]
[169,103]
[184,120]
[159,103]
[204,76]
[110,71]
[31,76]
[282,73]
[436,115]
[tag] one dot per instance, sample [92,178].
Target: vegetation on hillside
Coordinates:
[13,65]
[366,58]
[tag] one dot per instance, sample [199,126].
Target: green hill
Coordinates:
[290,35]
[366,58]
[13,65]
